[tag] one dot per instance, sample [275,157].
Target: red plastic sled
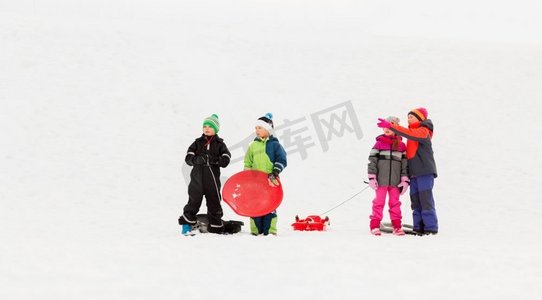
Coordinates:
[311,223]
[250,194]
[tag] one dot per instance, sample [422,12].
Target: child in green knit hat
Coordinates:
[211,123]
[206,155]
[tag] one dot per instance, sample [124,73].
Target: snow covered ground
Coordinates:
[100,99]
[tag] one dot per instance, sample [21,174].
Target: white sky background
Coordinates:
[478,20]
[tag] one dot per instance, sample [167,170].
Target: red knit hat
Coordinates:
[420,113]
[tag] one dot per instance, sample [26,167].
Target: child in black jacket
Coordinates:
[206,155]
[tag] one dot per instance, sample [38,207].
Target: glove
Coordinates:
[214,160]
[224,161]
[189,159]
[273,179]
[199,160]
[383,123]
[403,186]
[372,182]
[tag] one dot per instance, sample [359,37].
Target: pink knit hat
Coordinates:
[420,113]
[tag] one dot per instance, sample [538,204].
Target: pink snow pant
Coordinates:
[393,203]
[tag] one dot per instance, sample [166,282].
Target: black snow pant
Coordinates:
[204,181]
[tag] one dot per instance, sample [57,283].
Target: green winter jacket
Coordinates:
[265,155]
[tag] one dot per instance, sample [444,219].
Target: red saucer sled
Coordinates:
[310,223]
[249,193]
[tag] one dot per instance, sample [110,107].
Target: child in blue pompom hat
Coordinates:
[265,154]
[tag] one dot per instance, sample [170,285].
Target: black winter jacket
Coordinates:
[208,151]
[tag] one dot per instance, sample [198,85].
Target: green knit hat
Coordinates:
[212,122]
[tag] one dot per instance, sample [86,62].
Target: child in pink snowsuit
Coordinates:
[387,171]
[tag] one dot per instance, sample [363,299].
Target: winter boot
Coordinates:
[397,227]
[255,225]
[376,231]
[218,228]
[186,229]
[398,231]
[184,220]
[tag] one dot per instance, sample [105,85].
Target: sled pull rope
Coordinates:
[336,206]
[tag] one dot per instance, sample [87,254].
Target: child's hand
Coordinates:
[199,160]
[383,123]
[214,160]
[273,180]
[224,161]
[403,186]
[189,159]
[373,183]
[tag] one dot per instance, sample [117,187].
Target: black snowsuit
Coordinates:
[207,155]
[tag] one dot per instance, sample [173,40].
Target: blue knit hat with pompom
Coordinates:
[266,122]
